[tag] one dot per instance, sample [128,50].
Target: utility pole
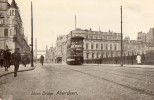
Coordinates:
[32,64]
[36,48]
[121,40]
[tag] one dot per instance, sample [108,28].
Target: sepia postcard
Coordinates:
[76,50]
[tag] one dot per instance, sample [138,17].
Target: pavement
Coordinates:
[126,65]
[22,68]
[28,67]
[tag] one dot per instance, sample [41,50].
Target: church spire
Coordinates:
[13,4]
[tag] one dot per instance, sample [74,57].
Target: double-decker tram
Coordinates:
[75,51]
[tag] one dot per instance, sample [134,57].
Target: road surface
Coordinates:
[86,82]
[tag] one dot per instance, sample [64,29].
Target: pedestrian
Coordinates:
[138,58]
[16,58]
[1,58]
[42,59]
[25,59]
[7,59]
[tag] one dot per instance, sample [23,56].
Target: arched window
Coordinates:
[10,12]
[92,46]
[96,46]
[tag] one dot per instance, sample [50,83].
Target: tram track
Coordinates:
[122,75]
[140,90]
[130,72]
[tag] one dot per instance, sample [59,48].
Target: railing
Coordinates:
[130,59]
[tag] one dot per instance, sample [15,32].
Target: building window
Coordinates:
[6,32]
[115,47]
[96,37]
[12,12]
[91,37]
[110,46]
[87,36]
[10,31]
[92,55]
[87,55]
[1,21]
[87,46]
[97,55]
[101,46]
[105,37]
[96,46]
[92,46]
[102,37]
[106,46]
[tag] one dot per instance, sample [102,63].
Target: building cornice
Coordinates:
[99,40]
[101,50]
[3,2]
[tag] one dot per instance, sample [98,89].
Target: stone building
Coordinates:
[139,46]
[50,55]
[141,37]
[60,49]
[11,28]
[150,36]
[97,44]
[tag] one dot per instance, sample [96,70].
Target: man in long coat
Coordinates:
[16,57]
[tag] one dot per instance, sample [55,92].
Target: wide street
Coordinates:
[86,82]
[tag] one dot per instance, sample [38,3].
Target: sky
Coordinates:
[57,17]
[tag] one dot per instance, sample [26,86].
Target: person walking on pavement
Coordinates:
[16,57]
[25,59]
[42,59]
[7,59]
[1,58]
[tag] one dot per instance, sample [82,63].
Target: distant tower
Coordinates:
[14,17]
